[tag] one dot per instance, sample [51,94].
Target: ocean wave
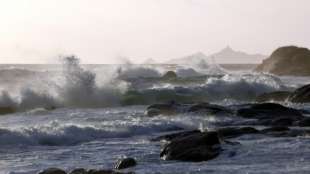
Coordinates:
[237,87]
[56,134]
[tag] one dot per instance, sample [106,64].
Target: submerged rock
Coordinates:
[301,95]
[289,60]
[125,163]
[273,96]
[52,171]
[195,147]
[6,110]
[172,136]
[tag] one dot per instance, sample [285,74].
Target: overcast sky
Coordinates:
[98,31]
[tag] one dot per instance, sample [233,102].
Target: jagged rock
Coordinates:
[301,95]
[273,96]
[289,60]
[169,75]
[125,163]
[196,147]
[52,171]
[79,171]
[6,110]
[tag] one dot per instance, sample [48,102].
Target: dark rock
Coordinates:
[273,96]
[79,171]
[196,147]
[275,129]
[125,163]
[232,132]
[172,136]
[209,108]
[282,121]
[301,95]
[269,110]
[52,171]
[164,109]
[169,75]
[6,110]
[289,60]
[304,122]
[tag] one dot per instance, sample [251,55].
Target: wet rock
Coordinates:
[79,171]
[169,75]
[233,132]
[269,111]
[273,96]
[106,172]
[209,108]
[6,110]
[301,95]
[162,109]
[52,171]
[196,147]
[172,136]
[304,122]
[125,163]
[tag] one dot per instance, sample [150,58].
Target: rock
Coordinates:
[304,122]
[169,75]
[196,147]
[79,171]
[275,129]
[125,163]
[6,110]
[162,109]
[106,172]
[269,111]
[273,96]
[301,95]
[52,171]
[209,108]
[282,121]
[170,137]
[232,132]
[289,60]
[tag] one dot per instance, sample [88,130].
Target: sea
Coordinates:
[71,115]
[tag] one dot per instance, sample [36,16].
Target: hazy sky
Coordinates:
[98,31]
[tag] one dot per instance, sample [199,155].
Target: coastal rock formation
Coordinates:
[289,60]
[196,147]
[301,95]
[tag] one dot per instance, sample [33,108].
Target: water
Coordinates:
[92,127]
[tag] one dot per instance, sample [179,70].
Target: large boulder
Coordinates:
[196,147]
[301,95]
[289,60]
